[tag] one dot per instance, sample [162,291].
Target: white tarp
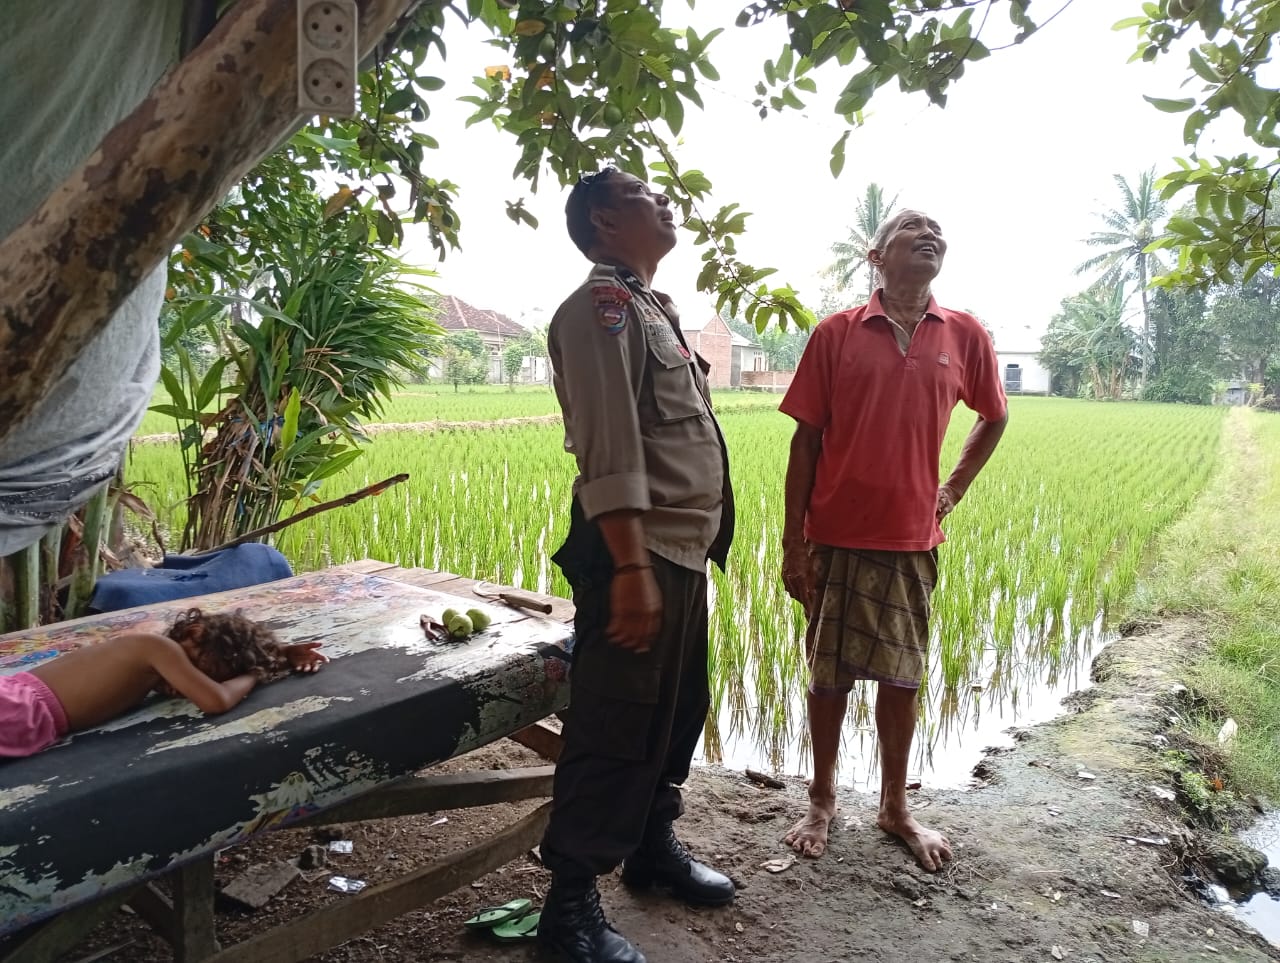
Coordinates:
[69,71]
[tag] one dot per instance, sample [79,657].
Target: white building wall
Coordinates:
[1029,376]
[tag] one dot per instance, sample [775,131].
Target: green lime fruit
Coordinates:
[459,626]
[448,615]
[479,620]
[612,115]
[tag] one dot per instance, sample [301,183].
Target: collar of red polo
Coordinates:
[876,310]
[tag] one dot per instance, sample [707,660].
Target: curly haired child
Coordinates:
[213,659]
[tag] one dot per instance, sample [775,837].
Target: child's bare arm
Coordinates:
[171,662]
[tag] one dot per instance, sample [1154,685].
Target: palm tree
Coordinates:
[1131,228]
[851,254]
[1089,337]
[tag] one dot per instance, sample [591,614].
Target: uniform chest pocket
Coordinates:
[675,392]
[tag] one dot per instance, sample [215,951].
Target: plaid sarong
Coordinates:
[870,618]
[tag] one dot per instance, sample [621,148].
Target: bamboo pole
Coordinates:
[88,564]
[27,585]
[8,596]
[50,547]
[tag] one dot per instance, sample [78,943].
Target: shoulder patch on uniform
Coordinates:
[611,306]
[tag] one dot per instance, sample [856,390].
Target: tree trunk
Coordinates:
[1146,323]
[69,266]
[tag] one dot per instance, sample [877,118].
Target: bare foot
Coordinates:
[930,848]
[809,836]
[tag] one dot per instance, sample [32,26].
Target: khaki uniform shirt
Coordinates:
[637,417]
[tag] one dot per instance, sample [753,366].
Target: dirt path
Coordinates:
[1043,871]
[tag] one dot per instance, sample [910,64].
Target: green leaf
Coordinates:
[400,100]
[292,409]
[179,412]
[386,229]
[211,383]
[1170,106]
[171,383]
[837,154]
[336,464]
[1204,70]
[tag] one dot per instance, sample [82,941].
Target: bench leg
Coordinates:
[53,939]
[194,937]
[541,738]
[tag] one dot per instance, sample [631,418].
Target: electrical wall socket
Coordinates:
[327,81]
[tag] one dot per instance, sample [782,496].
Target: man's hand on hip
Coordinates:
[635,609]
[948,499]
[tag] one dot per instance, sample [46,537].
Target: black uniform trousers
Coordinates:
[633,724]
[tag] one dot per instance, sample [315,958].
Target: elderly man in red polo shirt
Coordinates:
[872,398]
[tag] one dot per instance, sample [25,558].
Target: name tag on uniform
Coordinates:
[657,329]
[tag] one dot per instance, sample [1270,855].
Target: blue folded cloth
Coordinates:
[182,576]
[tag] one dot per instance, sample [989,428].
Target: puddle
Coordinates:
[1019,684]
[1261,910]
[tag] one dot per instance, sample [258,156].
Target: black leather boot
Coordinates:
[662,860]
[573,928]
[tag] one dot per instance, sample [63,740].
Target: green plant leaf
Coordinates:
[292,409]
[1170,106]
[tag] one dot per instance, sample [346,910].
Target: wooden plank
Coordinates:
[107,952]
[422,577]
[562,610]
[154,908]
[193,911]
[260,883]
[455,790]
[51,940]
[457,585]
[367,566]
[542,739]
[340,921]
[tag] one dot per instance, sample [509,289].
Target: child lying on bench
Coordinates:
[212,659]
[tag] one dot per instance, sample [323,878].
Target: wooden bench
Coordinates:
[87,826]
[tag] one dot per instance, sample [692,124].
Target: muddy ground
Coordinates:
[1043,868]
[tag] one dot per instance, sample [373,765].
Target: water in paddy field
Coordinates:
[1019,683]
[1260,910]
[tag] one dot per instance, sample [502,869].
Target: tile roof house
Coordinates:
[729,353]
[495,330]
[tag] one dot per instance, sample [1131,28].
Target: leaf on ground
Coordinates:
[779,865]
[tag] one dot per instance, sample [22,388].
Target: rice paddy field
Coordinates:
[415,404]
[1040,556]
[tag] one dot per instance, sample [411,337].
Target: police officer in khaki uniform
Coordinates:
[651,504]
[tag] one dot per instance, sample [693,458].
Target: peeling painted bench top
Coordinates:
[112,806]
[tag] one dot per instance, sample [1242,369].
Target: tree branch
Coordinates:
[351,499]
[68,267]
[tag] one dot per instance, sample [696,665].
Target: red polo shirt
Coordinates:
[883,415]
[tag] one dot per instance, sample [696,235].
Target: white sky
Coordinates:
[1015,169]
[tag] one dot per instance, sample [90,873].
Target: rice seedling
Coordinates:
[1048,542]
[417,404]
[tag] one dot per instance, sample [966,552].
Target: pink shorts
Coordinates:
[31,717]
